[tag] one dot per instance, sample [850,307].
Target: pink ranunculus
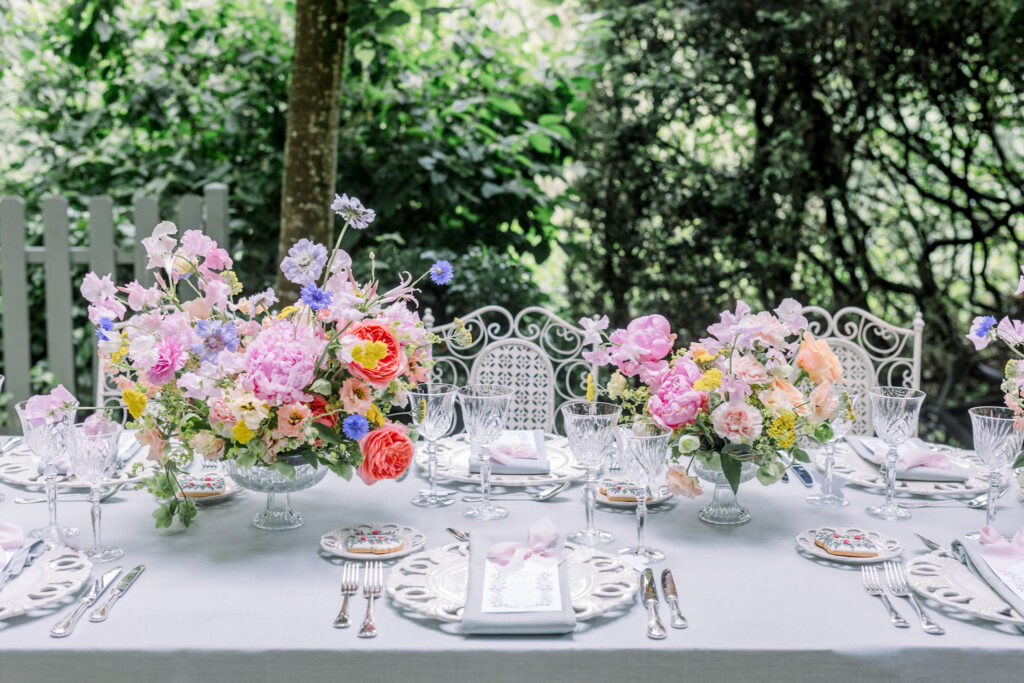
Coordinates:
[680,483]
[676,403]
[290,419]
[823,405]
[750,370]
[642,344]
[281,362]
[737,422]
[208,445]
[171,356]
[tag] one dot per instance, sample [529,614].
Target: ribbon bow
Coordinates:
[543,541]
[923,457]
[505,452]
[1000,552]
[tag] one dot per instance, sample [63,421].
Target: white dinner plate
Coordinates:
[20,467]
[453,463]
[888,547]
[945,580]
[333,542]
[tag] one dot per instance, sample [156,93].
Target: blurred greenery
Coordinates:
[597,155]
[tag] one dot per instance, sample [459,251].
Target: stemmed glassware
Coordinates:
[997,444]
[841,423]
[94,448]
[894,413]
[644,448]
[590,427]
[433,412]
[47,438]
[484,410]
[1,389]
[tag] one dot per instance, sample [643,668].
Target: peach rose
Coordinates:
[817,359]
[823,405]
[682,484]
[737,422]
[387,452]
[781,397]
[391,366]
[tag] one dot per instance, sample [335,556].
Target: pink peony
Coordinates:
[171,356]
[281,363]
[737,422]
[642,345]
[676,403]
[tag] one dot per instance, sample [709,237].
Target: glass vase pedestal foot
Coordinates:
[485,512]
[278,515]
[425,499]
[643,555]
[827,500]
[724,509]
[590,537]
[108,554]
[890,513]
[56,535]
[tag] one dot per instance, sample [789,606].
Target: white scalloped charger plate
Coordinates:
[20,467]
[333,542]
[948,582]
[56,573]
[888,547]
[453,463]
[433,582]
[859,472]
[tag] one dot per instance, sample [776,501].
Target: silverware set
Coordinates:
[896,581]
[65,626]
[655,628]
[373,587]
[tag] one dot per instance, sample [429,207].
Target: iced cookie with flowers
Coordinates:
[201,486]
[846,545]
[621,491]
[375,542]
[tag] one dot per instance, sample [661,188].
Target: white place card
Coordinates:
[1012,576]
[532,587]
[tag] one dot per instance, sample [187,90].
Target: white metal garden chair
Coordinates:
[534,351]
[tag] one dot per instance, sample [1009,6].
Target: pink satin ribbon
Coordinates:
[543,542]
[506,452]
[1000,552]
[11,536]
[922,457]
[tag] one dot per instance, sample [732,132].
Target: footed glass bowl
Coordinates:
[724,508]
[278,515]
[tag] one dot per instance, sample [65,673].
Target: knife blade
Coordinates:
[934,545]
[65,626]
[13,443]
[668,587]
[803,475]
[103,611]
[21,559]
[655,629]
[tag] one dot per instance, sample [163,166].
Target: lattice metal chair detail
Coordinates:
[873,352]
[534,351]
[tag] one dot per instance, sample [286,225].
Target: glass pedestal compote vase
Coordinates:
[724,508]
[278,515]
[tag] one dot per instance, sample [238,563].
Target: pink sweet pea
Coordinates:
[95,289]
[196,245]
[160,244]
[49,408]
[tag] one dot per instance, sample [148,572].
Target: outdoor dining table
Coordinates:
[223,601]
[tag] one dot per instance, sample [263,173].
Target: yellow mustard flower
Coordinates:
[135,400]
[287,311]
[375,416]
[711,379]
[369,354]
[590,387]
[242,433]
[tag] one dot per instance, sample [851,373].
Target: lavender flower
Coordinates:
[353,211]
[441,272]
[216,336]
[314,297]
[355,427]
[305,262]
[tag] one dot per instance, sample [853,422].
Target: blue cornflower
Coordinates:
[216,336]
[980,327]
[314,297]
[106,325]
[353,211]
[441,272]
[986,324]
[305,262]
[355,427]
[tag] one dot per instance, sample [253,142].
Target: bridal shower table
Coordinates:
[223,601]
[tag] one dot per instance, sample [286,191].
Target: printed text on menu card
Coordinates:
[532,587]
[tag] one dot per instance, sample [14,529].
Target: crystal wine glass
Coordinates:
[433,412]
[590,427]
[997,444]
[485,409]
[644,448]
[47,438]
[1,389]
[894,412]
[94,457]
[841,423]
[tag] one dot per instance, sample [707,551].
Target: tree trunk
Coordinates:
[311,146]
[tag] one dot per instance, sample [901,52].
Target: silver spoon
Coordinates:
[975,503]
[73,498]
[544,494]
[461,535]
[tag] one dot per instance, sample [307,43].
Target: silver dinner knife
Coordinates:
[668,586]
[103,611]
[11,444]
[66,625]
[655,629]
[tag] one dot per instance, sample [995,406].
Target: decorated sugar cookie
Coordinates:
[201,485]
[846,545]
[621,491]
[375,542]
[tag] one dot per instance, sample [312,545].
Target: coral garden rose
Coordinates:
[393,364]
[387,452]
[737,422]
[682,484]
[817,359]
[676,403]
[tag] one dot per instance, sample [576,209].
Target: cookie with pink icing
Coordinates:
[375,542]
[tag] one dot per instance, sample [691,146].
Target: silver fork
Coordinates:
[373,586]
[349,587]
[873,586]
[898,586]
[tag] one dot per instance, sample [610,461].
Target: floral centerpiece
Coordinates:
[209,373]
[744,394]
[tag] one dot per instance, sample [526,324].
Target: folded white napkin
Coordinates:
[917,461]
[516,451]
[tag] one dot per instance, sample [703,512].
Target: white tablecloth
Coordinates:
[223,601]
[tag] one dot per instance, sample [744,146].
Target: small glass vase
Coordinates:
[278,515]
[724,508]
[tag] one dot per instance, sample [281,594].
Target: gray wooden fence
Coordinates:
[57,255]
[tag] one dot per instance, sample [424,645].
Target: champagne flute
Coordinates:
[433,412]
[643,453]
[841,423]
[485,408]
[894,412]
[94,457]
[590,427]
[997,443]
[47,438]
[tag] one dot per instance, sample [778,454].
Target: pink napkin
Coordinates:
[11,538]
[922,457]
[998,551]
[543,541]
[507,452]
